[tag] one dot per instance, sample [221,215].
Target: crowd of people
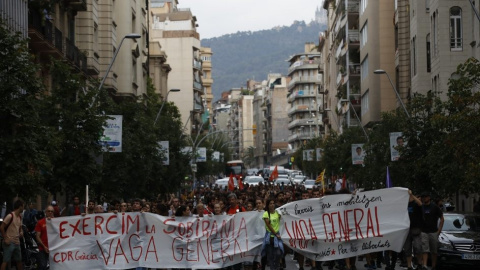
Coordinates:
[425,216]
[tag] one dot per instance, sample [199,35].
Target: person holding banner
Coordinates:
[42,239]
[273,245]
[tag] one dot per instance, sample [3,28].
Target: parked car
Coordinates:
[253,171]
[298,179]
[223,183]
[254,180]
[282,179]
[459,241]
[309,183]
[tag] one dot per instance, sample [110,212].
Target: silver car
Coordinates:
[254,180]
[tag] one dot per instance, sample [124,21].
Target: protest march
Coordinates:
[323,229]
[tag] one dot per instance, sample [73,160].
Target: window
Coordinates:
[365,102]
[364,68]
[455,29]
[429,62]
[363,6]
[364,35]
[414,56]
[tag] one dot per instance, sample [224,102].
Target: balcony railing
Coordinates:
[300,108]
[300,64]
[197,64]
[58,39]
[353,6]
[197,86]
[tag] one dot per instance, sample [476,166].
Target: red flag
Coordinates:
[274,174]
[240,184]
[344,181]
[231,185]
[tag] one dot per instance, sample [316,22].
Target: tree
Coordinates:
[139,171]
[76,126]
[23,138]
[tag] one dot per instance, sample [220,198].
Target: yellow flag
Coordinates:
[321,179]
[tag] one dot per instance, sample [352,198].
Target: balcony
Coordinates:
[301,94]
[44,36]
[73,54]
[197,86]
[300,108]
[305,122]
[353,6]
[304,79]
[197,64]
[304,64]
[353,36]
[300,136]
[354,69]
[76,5]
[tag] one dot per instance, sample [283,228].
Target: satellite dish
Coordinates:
[279,152]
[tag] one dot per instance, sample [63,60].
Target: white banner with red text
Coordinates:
[129,240]
[332,227]
[345,225]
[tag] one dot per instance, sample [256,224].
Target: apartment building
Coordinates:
[259,116]
[360,39]
[305,96]
[14,13]
[276,119]
[451,38]
[206,57]
[176,31]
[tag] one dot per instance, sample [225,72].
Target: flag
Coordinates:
[389,181]
[240,184]
[274,174]
[231,185]
[321,179]
[344,181]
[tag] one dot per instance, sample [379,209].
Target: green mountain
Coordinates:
[252,55]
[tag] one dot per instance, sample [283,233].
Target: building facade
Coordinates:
[304,96]
[206,56]
[176,31]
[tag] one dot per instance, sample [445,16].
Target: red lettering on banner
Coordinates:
[62,229]
[98,224]
[152,229]
[75,227]
[179,249]
[370,223]
[379,234]
[119,245]
[242,227]
[105,259]
[133,221]
[214,230]
[154,250]
[223,251]
[85,225]
[205,226]
[106,225]
[166,223]
[190,252]
[135,247]
[357,222]
[213,253]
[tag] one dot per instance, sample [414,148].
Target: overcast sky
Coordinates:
[219,17]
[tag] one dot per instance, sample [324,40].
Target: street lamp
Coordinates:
[163,103]
[381,71]
[129,36]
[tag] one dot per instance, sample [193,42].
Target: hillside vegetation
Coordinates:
[252,55]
